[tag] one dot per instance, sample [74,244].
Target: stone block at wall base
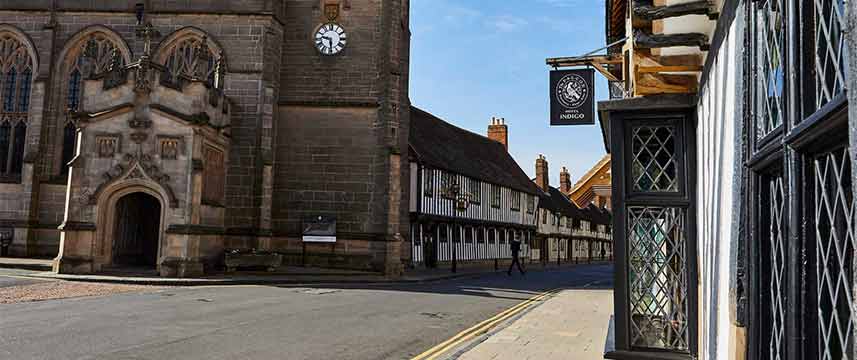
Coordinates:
[181,268]
[73,265]
[394,269]
[329,260]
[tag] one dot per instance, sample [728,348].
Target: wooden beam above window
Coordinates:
[652,41]
[650,12]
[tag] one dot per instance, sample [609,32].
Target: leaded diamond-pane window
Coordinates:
[658,286]
[653,164]
[831,49]
[770,77]
[834,233]
[775,253]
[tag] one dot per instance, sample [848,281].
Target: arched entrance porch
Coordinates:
[136,233]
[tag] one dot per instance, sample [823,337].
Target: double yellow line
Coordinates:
[481,328]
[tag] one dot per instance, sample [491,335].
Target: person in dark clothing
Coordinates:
[430,253]
[515,246]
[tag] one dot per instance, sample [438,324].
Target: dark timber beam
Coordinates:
[650,12]
[646,41]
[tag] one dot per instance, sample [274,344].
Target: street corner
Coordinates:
[21,289]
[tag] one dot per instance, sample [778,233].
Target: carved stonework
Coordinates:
[85,196]
[139,123]
[107,145]
[136,167]
[142,76]
[139,137]
[135,173]
[169,147]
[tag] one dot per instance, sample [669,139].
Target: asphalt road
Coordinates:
[271,322]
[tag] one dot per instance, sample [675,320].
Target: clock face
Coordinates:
[330,39]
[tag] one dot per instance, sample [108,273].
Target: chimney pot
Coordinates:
[542,180]
[565,181]
[498,131]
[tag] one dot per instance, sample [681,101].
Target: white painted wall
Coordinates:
[718,156]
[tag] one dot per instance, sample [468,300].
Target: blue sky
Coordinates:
[473,59]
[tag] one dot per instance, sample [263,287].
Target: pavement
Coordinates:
[573,324]
[321,321]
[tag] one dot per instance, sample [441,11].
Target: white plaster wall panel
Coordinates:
[718,153]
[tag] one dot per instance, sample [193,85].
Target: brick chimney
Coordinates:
[499,132]
[542,173]
[564,181]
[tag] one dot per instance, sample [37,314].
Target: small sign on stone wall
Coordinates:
[319,228]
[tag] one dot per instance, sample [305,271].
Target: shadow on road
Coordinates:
[497,285]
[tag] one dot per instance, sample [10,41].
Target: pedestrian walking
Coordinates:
[515,246]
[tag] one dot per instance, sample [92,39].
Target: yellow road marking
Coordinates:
[481,328]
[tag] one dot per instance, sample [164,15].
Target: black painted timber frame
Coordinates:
[680,110]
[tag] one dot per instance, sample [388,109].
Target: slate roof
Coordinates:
[598,215]
[558,202]
[439,144]
[555,201]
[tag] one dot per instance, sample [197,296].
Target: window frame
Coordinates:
[496,196]
[808,131]
[515,203]
[682,117]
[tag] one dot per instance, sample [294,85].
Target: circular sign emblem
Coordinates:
[571,91]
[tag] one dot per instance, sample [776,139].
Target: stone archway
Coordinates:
[136,233]
[124,197]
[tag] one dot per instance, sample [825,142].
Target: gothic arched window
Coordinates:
[193,58]
[91,56]
[16,77]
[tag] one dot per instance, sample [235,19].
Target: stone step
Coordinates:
[26,264]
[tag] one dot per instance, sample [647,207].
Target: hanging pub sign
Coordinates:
[572,94]
[320,229]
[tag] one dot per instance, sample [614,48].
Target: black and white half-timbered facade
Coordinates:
[732,132]
[566,233]
[468,198]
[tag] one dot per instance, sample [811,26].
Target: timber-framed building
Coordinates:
[731,133]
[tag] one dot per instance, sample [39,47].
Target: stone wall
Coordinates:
[311,134]
[342,122]
[245,30]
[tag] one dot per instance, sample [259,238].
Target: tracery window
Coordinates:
[89,57]
[193,58]
[16,77]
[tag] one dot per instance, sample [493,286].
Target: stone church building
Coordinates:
[160,133]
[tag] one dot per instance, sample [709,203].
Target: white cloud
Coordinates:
[506,23]
[461,14]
